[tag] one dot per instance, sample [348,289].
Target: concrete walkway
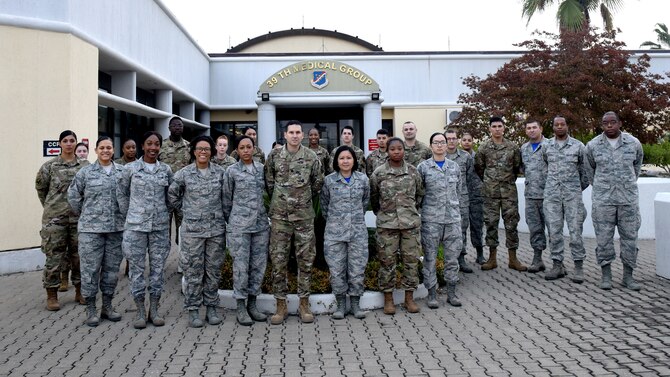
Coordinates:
[510,324]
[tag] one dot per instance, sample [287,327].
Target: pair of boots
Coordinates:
[211,316]
[281,314]
[514,262]
[452,298]
[52,297]
[140,321]
[248,312]
[410,304]
[558,271]
[341,309]
[107,311]
[628,281]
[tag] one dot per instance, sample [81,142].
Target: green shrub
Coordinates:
[658,154]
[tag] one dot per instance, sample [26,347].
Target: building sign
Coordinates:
[319,75]
[50,148]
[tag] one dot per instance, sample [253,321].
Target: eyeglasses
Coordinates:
[439,143]
[203,149]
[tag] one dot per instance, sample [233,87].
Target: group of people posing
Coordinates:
[423,196]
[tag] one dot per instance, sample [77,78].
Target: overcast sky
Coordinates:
[418,25]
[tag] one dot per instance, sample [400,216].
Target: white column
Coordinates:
[164,103]
[372,121]
[124,84]
[267,126]
[187,110]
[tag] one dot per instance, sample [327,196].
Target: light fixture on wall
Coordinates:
[375,96]
[265,97]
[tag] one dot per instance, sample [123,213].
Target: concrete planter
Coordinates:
[662,219]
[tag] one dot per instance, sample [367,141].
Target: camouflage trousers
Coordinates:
[408,243]
[250,258]
[201,261]
[536,224]
[509,207]
[571,210]
[465,224]
[60,245]
[305,251]
[432,235]
[476,216]
[100,257]
[626,218]
[136,246]
[346,262]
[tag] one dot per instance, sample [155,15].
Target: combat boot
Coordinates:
[356,307]
[556,272]
[242,315]
[389,307]
[154,316]
[538,264]
[514,263]
[463,265]
[410,305]
[628,280]
[140,321]
[432,298]
[77,294]
[480,256]
[63,282]
[578,274]
[340,311]
[52,299]
[253,311]
[212,316]
[281,314]
[304,311]
[606,280]
[194,319]
[107,311]
[92,318]
[452,299]
[492,262]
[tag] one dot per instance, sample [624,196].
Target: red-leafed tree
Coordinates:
[578,75]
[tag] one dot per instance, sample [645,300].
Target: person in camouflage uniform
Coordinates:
[497,163]
[59,223]
[197,191]
[292,177]
[344,200]
[142,196]
[379,156]
[259,155]
[396,191]
[567,177]
[321,152]
[415,151]
[441,217]
[614,160]
[221,158]
[347,138]
[466,166]
[476,202]
[129,153]
[248,229]
[535,172]
[175,152]
[92,195]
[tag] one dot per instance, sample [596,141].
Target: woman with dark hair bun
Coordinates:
[197,192]
[128,152]
[59,223]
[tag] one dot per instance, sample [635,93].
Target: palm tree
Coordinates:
[662,36]
[574,15]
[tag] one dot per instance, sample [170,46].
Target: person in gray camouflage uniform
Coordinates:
[441,217]
[142,196]
[92,195]
[379,156]
[222,158]
[466,166]
[248,229]
[347,138]
[344,199]
[293,177]
[534,170]
[415,151]
[196,191]
[396,191]
[59,223]
[567,177]
[476,201]
[615,162]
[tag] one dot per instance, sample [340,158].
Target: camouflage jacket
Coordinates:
[122,161]
[175,154]
[360,156]
[200,199]
[258,155]
[225,163]
[566,169]
[51,183]
[292,180]
[441,203]
[92,195]
[375,159]
[243,206]
[534,169]
[396,195]
[324,158]
[142,196]
[419,152]
[497,165]
[614,170]
[467,168]
[343,205]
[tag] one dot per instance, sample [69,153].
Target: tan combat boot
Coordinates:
[304,312]
[77,294]
[410,305]
[389,307]
[52,299]
[492,262]
[63,282]
[281,313]
[514,263]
